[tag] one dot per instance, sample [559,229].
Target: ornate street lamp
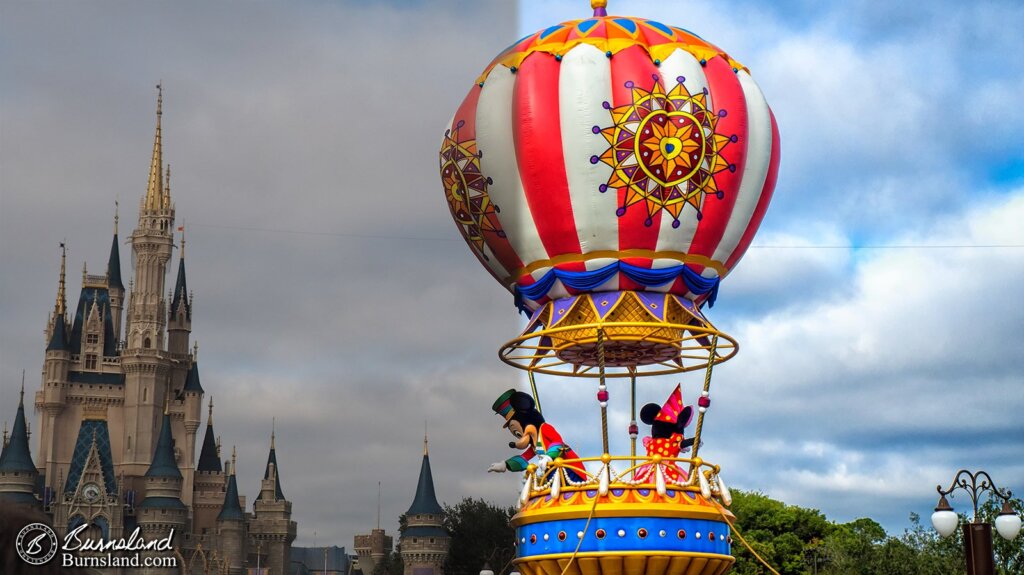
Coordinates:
[977,535]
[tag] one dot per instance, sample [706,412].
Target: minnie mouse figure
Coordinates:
[532,433]
[667,423]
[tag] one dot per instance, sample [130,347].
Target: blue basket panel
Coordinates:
[624,534]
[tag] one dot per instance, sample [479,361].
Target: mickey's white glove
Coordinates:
[542,463]
[498,467]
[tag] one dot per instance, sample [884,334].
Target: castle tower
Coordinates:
[147,368]
[17,472]
[162,509]
[372,548]
[231,525]
[272,528]
[209,483]
[51,400]
[424,542]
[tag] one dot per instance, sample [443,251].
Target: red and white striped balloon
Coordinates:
[610,139]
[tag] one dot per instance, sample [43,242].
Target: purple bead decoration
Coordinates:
[602,188]
[720,195]
[723,113]
[489,182]
[460,124]
[597,130]
[732,168]
[675,223]
[620,212]
[680,79]
[629,84]
[594,159]
[734,138]
[648,222]
[606,105]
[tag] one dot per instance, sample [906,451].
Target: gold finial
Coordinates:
[425,449]
[195,354]
[155,188]
[21,399]
[116,207]
[233,459]
[85,271]
[61,301]
[209,418]
[5,433]
[599,7]
[167,400]
[273,429]
[181,228]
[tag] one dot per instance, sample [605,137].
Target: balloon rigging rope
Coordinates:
[586,526]
[707,388]
[604,408]
[739,535]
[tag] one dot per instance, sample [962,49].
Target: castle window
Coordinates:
[90,361]
[92,338]
[129,442]
[144,390]
[147,343]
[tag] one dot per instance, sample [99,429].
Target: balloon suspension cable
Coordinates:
[602,391]
[633,429]
[533,388]
[702,402]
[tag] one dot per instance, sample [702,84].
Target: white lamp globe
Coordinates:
[1008,523]
[944,520]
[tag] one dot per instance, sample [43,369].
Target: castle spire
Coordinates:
[272,459]
[425,501]
[58,336]
[16,455]
[209,459]
[155,187]
[167,187]
[163,464]
[232,508]
[61,304]
[180,297]
[114,263]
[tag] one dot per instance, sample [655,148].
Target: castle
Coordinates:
[120,414]
[424,541]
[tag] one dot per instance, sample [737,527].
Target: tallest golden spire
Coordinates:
[155,188]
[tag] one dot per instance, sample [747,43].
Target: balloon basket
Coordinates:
[644,333]
[611,523]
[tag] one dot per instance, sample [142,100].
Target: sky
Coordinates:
[879,312]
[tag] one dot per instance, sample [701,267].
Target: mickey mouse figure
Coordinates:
[667,423]
[537,437]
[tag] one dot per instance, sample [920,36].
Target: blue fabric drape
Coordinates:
[589,280]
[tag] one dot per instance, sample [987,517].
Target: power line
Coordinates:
[753,247]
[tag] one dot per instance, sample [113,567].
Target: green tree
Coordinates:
[480,532]
[779,533]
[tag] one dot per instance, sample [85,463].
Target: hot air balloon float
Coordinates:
[610,172]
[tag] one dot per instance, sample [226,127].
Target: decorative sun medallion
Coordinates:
[664,150]
[466,189]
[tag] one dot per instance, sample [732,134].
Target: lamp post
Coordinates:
[977,535]
[501,556]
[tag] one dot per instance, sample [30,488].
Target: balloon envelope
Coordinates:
[610,154]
